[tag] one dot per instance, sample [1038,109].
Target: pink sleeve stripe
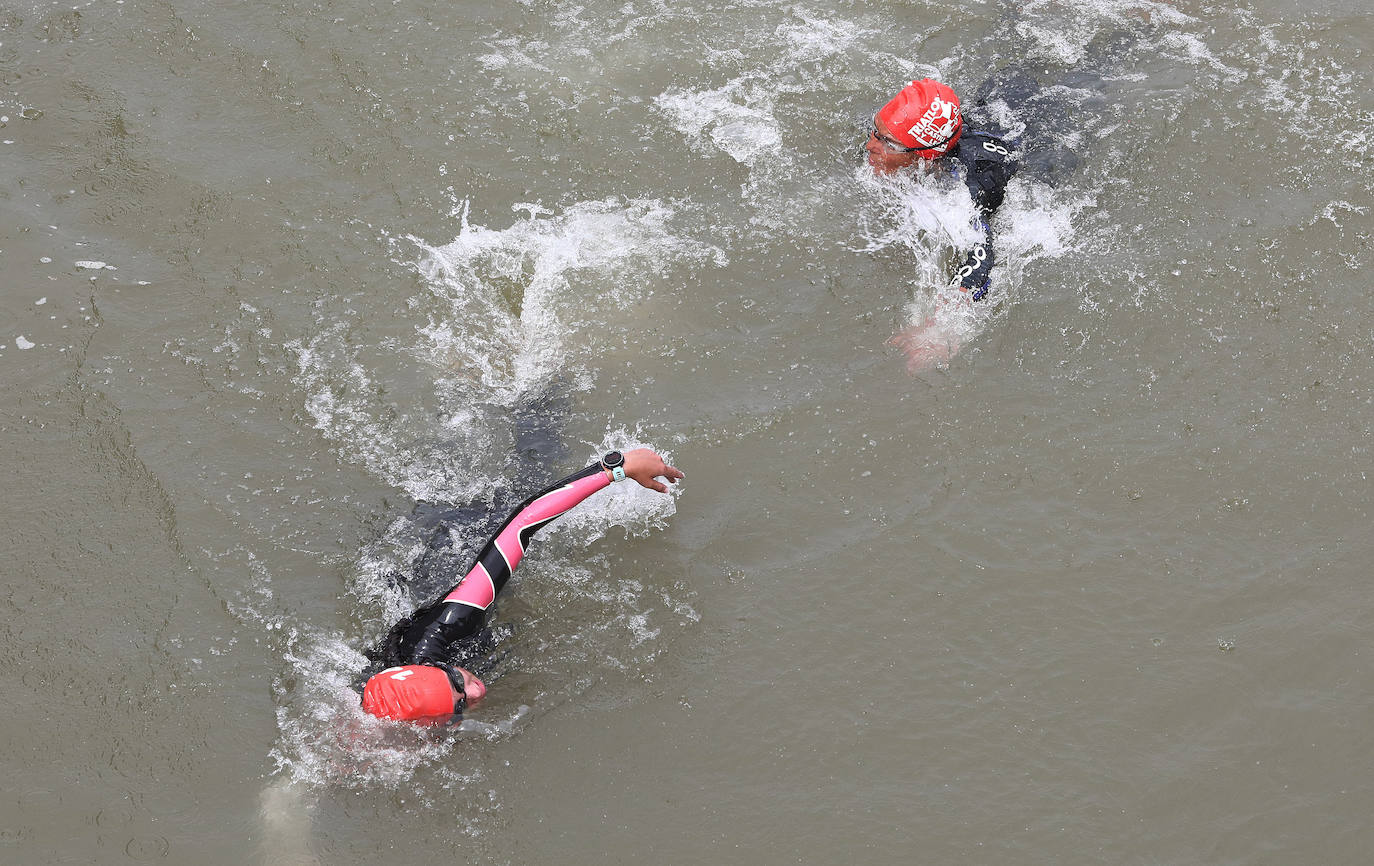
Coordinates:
[477,589]
[542,510]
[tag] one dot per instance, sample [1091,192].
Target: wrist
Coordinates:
[613,464]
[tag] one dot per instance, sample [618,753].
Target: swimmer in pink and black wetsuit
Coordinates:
[421,682]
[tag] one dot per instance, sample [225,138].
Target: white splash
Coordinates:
[810,38]
[736,119]
[349,408]
[1061,30]
[510,300]
[627,505]
[739,118]
[932,217]
[326,739]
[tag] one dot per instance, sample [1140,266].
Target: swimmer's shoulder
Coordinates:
[981,145]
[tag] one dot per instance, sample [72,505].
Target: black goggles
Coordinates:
[898,147]
[459,703]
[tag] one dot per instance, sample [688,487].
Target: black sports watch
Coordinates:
[614,462]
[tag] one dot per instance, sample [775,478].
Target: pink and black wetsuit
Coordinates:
[429,635]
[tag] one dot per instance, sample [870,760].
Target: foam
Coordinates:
[507,314]
[740,118]
[343,399]
[810,38]
[326,738]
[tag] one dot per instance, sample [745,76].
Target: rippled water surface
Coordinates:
[284,281]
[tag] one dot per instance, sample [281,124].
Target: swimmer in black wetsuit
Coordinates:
[423,682]
[924,122]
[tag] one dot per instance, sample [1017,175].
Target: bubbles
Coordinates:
[147,848]
[1339,210]
[1319,100]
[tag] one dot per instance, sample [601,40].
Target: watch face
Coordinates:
[613,459]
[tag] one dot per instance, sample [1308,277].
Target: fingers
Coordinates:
[649,481]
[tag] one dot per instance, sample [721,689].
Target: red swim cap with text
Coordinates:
[924,115]
[412,693]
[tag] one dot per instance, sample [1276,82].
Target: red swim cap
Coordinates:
[413,693]
[925,115]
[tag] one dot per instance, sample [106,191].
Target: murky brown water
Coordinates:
[1096,593]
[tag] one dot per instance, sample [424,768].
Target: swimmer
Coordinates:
[922,126]
[422,682]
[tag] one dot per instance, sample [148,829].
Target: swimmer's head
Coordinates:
[923,121]
[426,694]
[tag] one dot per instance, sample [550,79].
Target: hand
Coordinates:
[643,465]
[925,346]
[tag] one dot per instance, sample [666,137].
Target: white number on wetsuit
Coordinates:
[977,255]
[994,147]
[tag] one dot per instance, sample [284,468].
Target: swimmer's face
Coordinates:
[475,688]
[885,154]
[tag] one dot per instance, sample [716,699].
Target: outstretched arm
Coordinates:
[932,342]
[990,168]
[502,553]
[429,635]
